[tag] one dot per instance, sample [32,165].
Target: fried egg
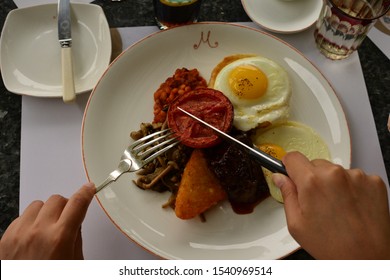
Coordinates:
[258,88]
[287,137]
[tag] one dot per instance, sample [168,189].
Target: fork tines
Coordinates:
[160,142]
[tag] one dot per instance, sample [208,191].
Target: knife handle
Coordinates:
[69,94]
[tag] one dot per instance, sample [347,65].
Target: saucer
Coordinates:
[30,52]
[283,16]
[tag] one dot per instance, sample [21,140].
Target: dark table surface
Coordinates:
[375,65]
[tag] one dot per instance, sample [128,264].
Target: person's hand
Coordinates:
[50,230]
[334,213]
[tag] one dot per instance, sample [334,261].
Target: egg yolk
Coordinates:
[248,82]
[273,150]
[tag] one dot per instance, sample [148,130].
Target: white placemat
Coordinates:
[381,40]
[51,153]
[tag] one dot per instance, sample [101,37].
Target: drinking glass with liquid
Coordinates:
[343,25]
[169,13]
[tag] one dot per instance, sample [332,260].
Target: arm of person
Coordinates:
[50,230]
[335,213]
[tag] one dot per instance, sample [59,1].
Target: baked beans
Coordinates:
[182,81]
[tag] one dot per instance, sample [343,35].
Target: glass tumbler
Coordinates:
[343,25]
[169,13]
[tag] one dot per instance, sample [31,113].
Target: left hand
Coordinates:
[50,230]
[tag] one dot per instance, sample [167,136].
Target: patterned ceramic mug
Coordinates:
[343,25]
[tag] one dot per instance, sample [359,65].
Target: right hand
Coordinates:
[334,213]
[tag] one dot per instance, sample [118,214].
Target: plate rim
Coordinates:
[344,118]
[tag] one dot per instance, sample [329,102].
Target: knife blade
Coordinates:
[267,161]
[65,39]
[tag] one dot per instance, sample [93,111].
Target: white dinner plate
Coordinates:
[283,16]
[30,53]
[123,98]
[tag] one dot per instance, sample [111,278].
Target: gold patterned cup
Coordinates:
[343,25]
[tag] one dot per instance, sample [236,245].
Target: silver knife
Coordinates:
[65,39]
[267,161]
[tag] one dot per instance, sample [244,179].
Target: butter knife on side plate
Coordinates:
[65,39]
[265,160]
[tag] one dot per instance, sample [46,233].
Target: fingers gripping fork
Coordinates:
[123,167]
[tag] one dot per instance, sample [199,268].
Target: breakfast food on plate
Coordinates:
[286,137]
[248,97]
[207,104]
[238,173]
[163,174]
[258,88]
[225,61]
[182,81]
[199,189]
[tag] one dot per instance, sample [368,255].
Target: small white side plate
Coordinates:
[31,54]
[283,16]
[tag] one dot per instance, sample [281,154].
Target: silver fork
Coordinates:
[140,153]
